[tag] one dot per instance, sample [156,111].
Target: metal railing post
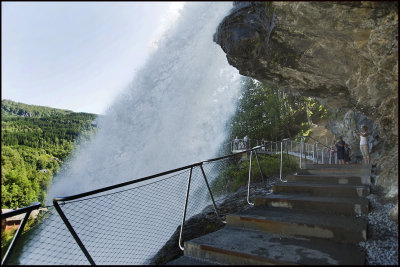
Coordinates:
[313,153]
[211,195]
[184,211]
[259,166]
[280,175]
[301,150]
[248,184]
[307,150]
[73,233]
[17,235]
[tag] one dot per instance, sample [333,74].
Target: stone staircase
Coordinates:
[313,218]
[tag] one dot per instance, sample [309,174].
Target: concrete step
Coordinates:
[327,190]
[338,166]
[240,246]
[186,260]
[333,205]
[329,179]
[305,224]
[336,171]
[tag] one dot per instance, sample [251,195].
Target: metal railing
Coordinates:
[80,226]
[326,155]
[86,219]
[241,144]
[27,210]
[310,151]
[262,175]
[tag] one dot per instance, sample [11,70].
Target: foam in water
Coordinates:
[173,114]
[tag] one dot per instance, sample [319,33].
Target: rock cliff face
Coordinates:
[345,54]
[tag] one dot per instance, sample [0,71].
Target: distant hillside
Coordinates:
[35,140]
[11,108]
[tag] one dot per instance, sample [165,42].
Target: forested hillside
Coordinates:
[35,140]
[11,108]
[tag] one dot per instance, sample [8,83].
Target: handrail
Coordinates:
[27,210]
[283,141]
[317,141]
[13,213]
[58,205]
[184,211]
[124,184]
[232,143]
[191,166]
[72,197]
[250,168]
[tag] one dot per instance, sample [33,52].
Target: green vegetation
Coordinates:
[16,109]
[6,237]
[236,175]
[35,141]
[268,112]
[30,226]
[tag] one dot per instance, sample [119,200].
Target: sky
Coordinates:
[77,55]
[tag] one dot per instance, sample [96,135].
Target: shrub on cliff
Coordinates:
[236,175]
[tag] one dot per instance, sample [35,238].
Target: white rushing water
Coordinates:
[173,114]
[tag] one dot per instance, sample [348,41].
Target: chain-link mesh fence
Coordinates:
[122,226]
[128,224]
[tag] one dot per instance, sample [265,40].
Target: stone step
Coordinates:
[333,205]
[336,171]
[245,247]
[305,224]
[327,190]
[186,260]
[329,179]
[338,166]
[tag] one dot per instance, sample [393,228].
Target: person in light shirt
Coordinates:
[246,142]
[236,143]
[363,136]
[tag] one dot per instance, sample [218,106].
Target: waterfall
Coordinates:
[172,114]
[177,105]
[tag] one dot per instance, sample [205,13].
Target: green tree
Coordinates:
[35,140]
[267,111]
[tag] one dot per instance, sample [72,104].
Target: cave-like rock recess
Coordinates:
[345,54]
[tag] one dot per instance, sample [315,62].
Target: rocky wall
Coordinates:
[345,54]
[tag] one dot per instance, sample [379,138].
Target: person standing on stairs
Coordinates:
[246,142]
[347,152]
[262,144]
[340,150]
[363,136]
[236,143]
